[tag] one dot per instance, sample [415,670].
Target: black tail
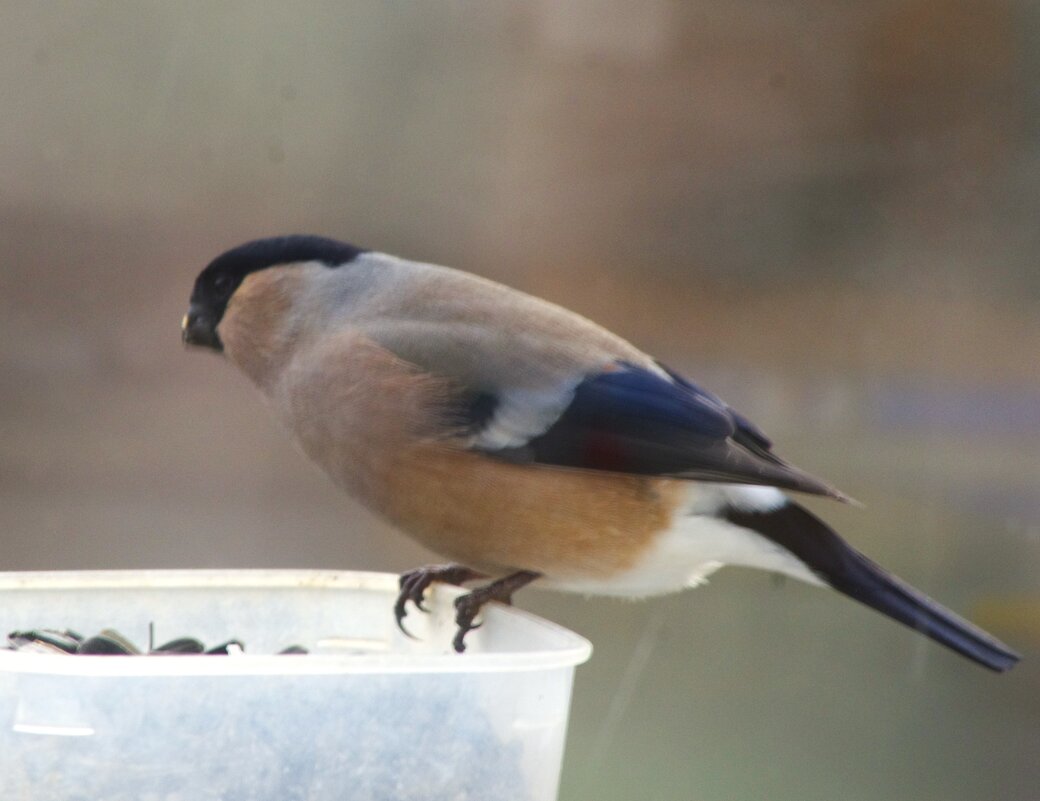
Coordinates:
[853,574]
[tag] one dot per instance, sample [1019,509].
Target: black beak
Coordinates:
[198,328]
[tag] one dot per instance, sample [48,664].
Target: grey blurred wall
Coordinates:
[824,210]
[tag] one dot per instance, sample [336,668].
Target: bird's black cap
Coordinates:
[217,283]
[263,253]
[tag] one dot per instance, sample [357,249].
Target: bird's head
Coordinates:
[218,284]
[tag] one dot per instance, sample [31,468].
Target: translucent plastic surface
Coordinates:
[368,714]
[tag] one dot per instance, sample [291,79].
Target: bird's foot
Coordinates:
[414,584]
[468,606]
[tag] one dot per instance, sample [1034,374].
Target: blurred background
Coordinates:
[825,211]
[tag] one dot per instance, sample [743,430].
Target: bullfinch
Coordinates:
[521,441]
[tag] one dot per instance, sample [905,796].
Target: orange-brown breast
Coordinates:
[499,516]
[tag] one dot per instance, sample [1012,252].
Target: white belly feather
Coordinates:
[697,544]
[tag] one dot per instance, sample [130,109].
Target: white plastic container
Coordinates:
[369,714]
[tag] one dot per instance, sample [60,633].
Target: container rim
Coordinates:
[566,649]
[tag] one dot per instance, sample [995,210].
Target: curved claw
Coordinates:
[412,589]
[399,615]
[468,606]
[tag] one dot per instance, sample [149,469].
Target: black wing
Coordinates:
[633,420]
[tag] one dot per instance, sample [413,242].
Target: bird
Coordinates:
[521,441]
